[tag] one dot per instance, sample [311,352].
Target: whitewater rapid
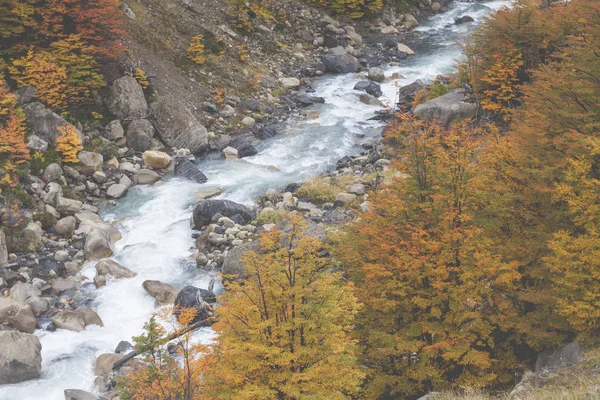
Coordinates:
[154,221]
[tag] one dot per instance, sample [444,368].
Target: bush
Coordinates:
[272,217]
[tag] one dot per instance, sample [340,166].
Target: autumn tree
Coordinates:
[284,329]
[436,296]
[196,50]
[68,143]
[12,127]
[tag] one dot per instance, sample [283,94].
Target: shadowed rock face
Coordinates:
[186,169]
[126,99]
[177,126]
[447,108]
[206,209]
[341,63]
[20,357]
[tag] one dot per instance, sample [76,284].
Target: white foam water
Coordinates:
[157,238]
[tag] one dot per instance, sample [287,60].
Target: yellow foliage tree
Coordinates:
[12,127]
[284,330]
[196,50]
[68,144]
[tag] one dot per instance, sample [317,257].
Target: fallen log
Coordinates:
[132,354]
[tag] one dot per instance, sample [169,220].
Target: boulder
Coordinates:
[410,21]
[447,108]
[230,153]
[255,106]
[114,130]
[89,316]
[248,122]
[232,264]
[90,159]
[63,284]
[20,357]
[206,209]
[36,143]
[463,20]
[156,159]
[341,63]
[43,122]
[69,320]
[52,172]
[76,394]
[104,363]
[139,134]
[407,93]
[370,87]
[126,99]
[17,315]
[26,94]
[177,126]
[39,305]
[376,74]
[65,227]
[569,354]
[114,269]
[191,297]
[22,291]
[244,148]
[146,177]
[32,237]
[186,169]
[98,244]
[405,49]
[162,292]
[3,249]
[370,100]
[89,221]
[290,83]
[117,190]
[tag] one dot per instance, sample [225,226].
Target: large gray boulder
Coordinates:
[569,354]
[17,315]
[370,87]
[177,126]
[139,134]
[76,394]
[186,169]
[192,297]
[98,244]
[206,209]
[20,357]
[341,63]
[3,249]
[114,130]
[163,293]
[447,108]
[43,122]
[114,269]
[126,99]
[69,320]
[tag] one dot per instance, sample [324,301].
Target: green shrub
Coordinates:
[272,217]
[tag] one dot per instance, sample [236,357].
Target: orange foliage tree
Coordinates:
[12,127]
[436,296]
[68,144]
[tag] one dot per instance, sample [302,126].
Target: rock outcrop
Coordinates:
[44,123]
[126,99]
[447,108]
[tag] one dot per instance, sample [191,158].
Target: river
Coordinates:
[157,238]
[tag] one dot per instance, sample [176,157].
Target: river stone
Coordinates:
[3,249]
[405,49]
[123,347]
[464,19]
[22,291]
[156,159]
[177,126]
[44,123]
[17,315]
[116,191]
[206,209]
[65,226]
[186,169]
[98,244]
[39,305]
[146,177]
[126,99]
[32,237]
[206,192]
[139,134]
[77,394]
[341,63]
[90,159]
[243,146]
[20,357]
[230,153]
[69,320]
[114,130]
[105,362]
[370,87]
[192,297]
[290,83]
[410,21]
[52,172]
[89,316]
[370,100]
[447,108]
[114,269]
[162,292]
[376,74]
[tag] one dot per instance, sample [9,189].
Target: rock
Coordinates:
[125,181]
[356,188]
[146,177]
[89,316]
[410,21]
[389,30]
[376,74]
[156,159]
[248,122]
[405,49]
[177,126]
[89,221]
[267,131]
[105,362]
[186,169]
[26,94]
[206,192]
[65,226]
[69,320]
[52,172]
[244,148]
[20,357]
[98,244]
[370,100]
[407,93]
[3,249]
[227,111]
[99,177]
[447,108]
[62,285]
[290,83]
[39,305]
[126,99]
[162,292]
[116,191]
[123,347]
[206,209]
[355,37]
[99,281]
[114,269]
[114,131]
[36,143]
[68,206]
[192,297]
[232,264]
[370,87]
[76,394]
[22,291]
[230,153]
[255,106]
[435,6]
[91,159]
[32,237]
[139,134]
[341,63]
[43,122]
[61,256]
[463,20]
[17,315]
[345,197]
[569,354]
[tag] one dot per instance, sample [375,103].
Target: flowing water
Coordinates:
[157,238]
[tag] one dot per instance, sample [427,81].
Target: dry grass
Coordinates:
[323,190]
